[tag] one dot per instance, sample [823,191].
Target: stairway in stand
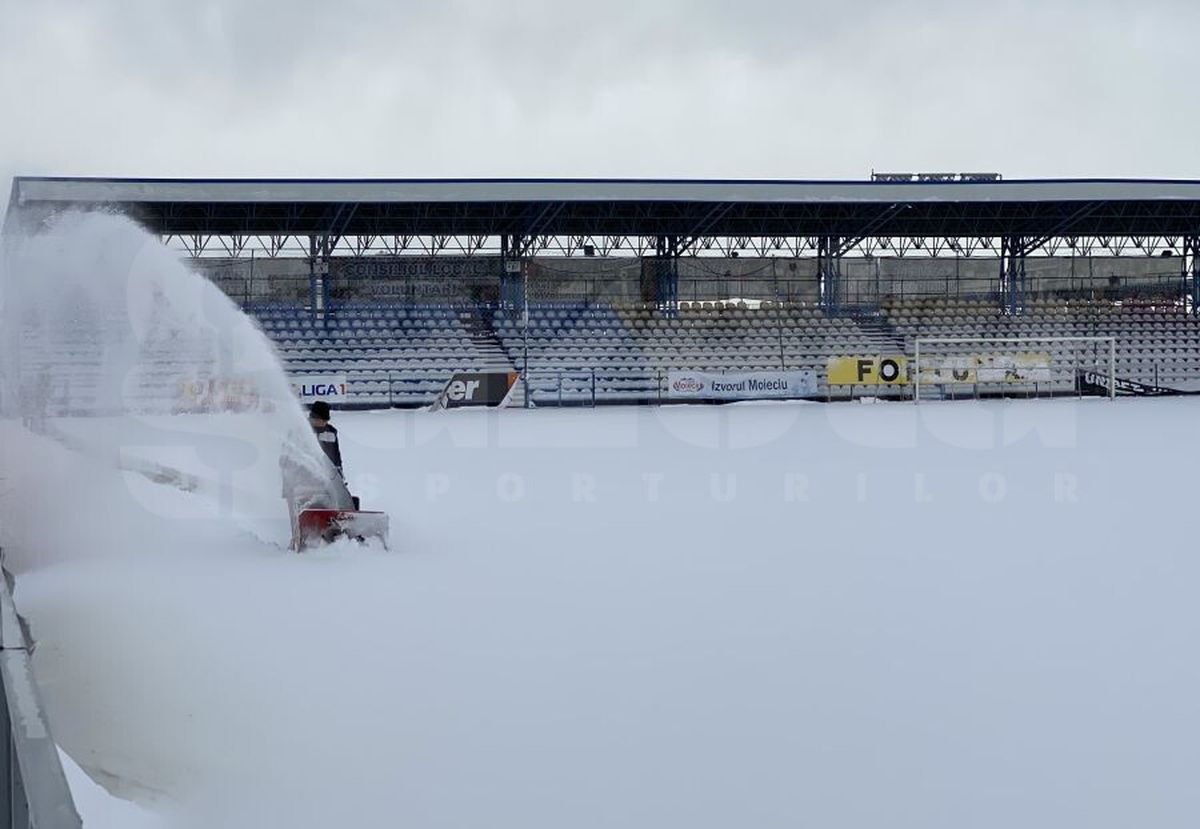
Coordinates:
[882,333]
[489,351]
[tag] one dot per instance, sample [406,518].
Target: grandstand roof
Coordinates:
[648,207]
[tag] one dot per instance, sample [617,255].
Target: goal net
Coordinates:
[950,367]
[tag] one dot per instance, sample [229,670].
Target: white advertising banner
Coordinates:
[312,387]
[987,368]
[745,385]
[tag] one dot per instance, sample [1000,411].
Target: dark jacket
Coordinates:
[327,436]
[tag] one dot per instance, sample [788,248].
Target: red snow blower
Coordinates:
[323,510]
[320,505]
[315,527]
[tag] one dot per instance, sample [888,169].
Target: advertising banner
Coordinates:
[986,368]
[219,394]
[746,385]
[477,388]
[332,388]
[867,370]
[416,279]
[1014,368]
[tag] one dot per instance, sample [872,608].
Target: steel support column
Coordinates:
[320,251]
[666,275]
[1012,275]
[312,275]
[829,273]
[512,276]
[1191,265]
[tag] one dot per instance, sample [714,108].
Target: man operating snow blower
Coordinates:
[327,436]
[320,506]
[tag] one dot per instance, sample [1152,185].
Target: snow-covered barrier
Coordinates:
[33,788]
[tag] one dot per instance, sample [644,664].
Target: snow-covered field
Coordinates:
[778,615]
[757,615]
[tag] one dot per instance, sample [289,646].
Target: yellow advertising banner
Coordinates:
[869,370]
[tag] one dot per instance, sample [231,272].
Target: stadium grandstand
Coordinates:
[603,291]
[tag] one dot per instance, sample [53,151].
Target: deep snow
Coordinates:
[751,615]
[848,615]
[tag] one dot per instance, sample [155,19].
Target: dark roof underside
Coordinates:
[686,209]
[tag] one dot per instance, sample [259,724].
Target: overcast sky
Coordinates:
[672,88]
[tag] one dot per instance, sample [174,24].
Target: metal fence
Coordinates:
[592,388]
[545,388]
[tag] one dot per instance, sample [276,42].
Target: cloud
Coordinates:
[536,87]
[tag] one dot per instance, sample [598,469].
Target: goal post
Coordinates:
[1007,365]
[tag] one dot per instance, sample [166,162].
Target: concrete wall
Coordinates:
[866,281]
[258,280]
[615,279]
[773,278]
[629,279]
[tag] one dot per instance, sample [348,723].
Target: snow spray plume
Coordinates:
[115,348]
